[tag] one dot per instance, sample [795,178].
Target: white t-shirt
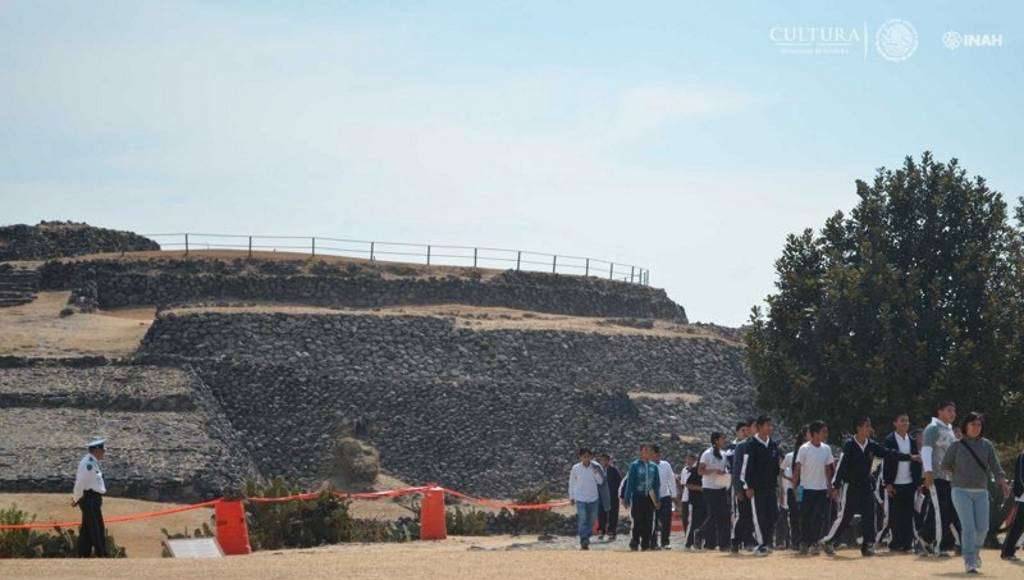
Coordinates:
[813,461]
[684,474]
[787,471]
[715,480]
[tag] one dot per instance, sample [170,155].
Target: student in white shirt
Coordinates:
[584,479]
[88,496]
[666,496]
[813,469]
[790,499]
[716,484]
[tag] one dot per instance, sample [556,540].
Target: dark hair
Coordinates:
[646,445]
[762,419]
[861,420]
[916,432]
[751,420]
[970,418]
[691,455]
[800,439]
[900,414]
[583,451]
[943,404]
[715,436]
[741,425]
[655,448]
[816,426]
[604,456]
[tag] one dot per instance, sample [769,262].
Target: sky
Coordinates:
[688,138]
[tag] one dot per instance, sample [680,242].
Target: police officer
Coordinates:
[88,496]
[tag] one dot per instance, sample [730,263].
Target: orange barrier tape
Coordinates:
[370,495]
[115,519]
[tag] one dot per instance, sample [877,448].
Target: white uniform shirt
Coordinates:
[715,480]
[667,478]
[684,474]
[813,461]
[787,471]
[903,469]
[583,482]
[89,477]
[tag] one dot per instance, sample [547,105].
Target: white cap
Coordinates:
[97,443]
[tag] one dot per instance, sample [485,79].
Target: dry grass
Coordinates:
[37,330]
[485,558]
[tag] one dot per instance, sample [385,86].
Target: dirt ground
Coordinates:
[502,558]
[36,329]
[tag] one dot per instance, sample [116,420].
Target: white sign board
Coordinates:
[194,548]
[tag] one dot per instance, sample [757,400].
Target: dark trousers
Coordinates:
[743,521]
[937,528]
[717,524]
[608,521]
[794,518]
[859,499]
[765,516]
[92,535]
[663,522]
[697,513]
[1013,536]
[642,512]
[814,513]
[901,517]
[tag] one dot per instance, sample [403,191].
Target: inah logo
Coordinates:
[954,40]
[896,40]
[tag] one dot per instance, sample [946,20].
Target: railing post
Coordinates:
[186,244]
[428,255]
[554,264]
[519,257]
[371,250]
[314,246]
[611,270]
[250,246]
[474,257]
[586,272]
[631,270]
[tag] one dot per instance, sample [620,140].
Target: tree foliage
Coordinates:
[917,295]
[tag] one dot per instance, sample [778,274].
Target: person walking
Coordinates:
[88,496]
[640,497]
[857,495]
[585,478]
[938,436]
[759,476]
[697,508]
[742,516]
[971,463]
[813,471]
[608,519]
[666,499]
[716,485]
[900,479]
[790,500]
[1013,534]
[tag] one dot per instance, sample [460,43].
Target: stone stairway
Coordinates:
[17,285]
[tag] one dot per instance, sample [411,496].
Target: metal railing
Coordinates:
[428,254]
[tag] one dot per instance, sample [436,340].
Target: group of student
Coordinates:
[928,493]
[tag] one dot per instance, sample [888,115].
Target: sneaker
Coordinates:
[1010,558]
[942,554]
[971,569]
[584,546]
[600,538]
[762,551]
[815,549]
[735,549]
[611,537]
[829,549]
[804,550]
[633,547]
[867,551]
[666,547]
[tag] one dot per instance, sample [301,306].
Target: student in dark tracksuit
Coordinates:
[900,479]
[1013,535]
[759,474]
[742,514]
[641,489]
[857,495]
[696,508]
[608,520]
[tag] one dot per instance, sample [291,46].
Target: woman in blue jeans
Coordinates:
[972,463]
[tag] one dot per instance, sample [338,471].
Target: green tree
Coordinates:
[917,295]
